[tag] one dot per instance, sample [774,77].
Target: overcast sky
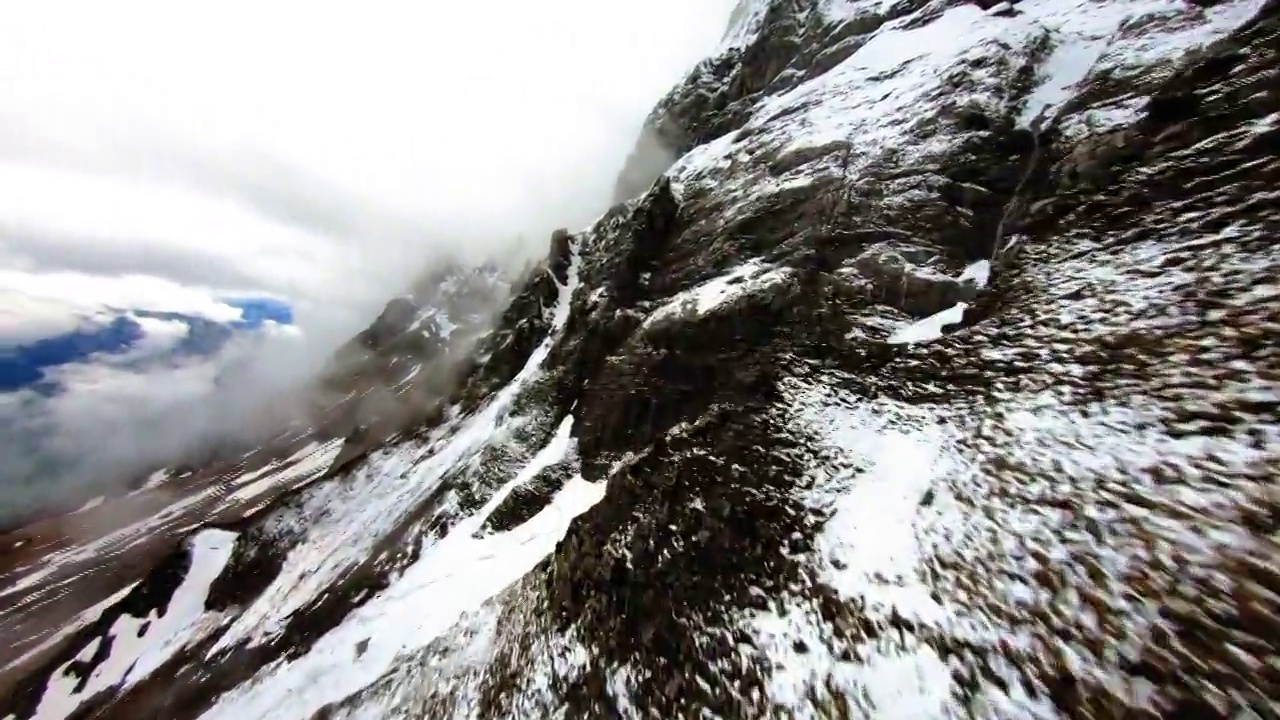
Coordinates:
[317,150]
[161,155]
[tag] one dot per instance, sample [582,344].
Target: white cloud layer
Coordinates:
[318,149]
[161,155]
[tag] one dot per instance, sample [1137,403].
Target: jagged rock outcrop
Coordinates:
[396,374]
[934,378]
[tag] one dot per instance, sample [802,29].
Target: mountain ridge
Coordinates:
[930,379]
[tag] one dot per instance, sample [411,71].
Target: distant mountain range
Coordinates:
[26,366]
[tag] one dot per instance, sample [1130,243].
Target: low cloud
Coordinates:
[120,414]
[155,156]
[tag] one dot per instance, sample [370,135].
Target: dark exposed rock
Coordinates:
[255,562]
[529,499]
[521,327]
[394,321]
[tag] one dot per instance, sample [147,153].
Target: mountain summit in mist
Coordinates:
[925,369]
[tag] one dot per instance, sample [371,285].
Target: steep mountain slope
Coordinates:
[935,378]
[387,380]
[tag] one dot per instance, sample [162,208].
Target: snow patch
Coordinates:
[95,502]
[84,618]
[308,462]
[1068,65]
[141,645]
[721,290]
[929,328]
[979,273]
[452,578]
[892,455]
[885,459]
[436,320]
[1089,36]
[155,479]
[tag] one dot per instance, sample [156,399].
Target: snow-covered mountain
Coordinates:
[935,378]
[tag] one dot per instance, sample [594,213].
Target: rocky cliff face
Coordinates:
[935,378]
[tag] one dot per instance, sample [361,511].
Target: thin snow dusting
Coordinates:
[930,328]
[1122,526]
[899,678]
[899,452]
[745,24]
[838,10]
[454,577]
[140,645]
[718,291]
[884,461]
[1066,67]
[308,462]
[876,94]
[879,97]
[417,368]
[155,479]
[176,517]
[1089,36]
[100,550]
